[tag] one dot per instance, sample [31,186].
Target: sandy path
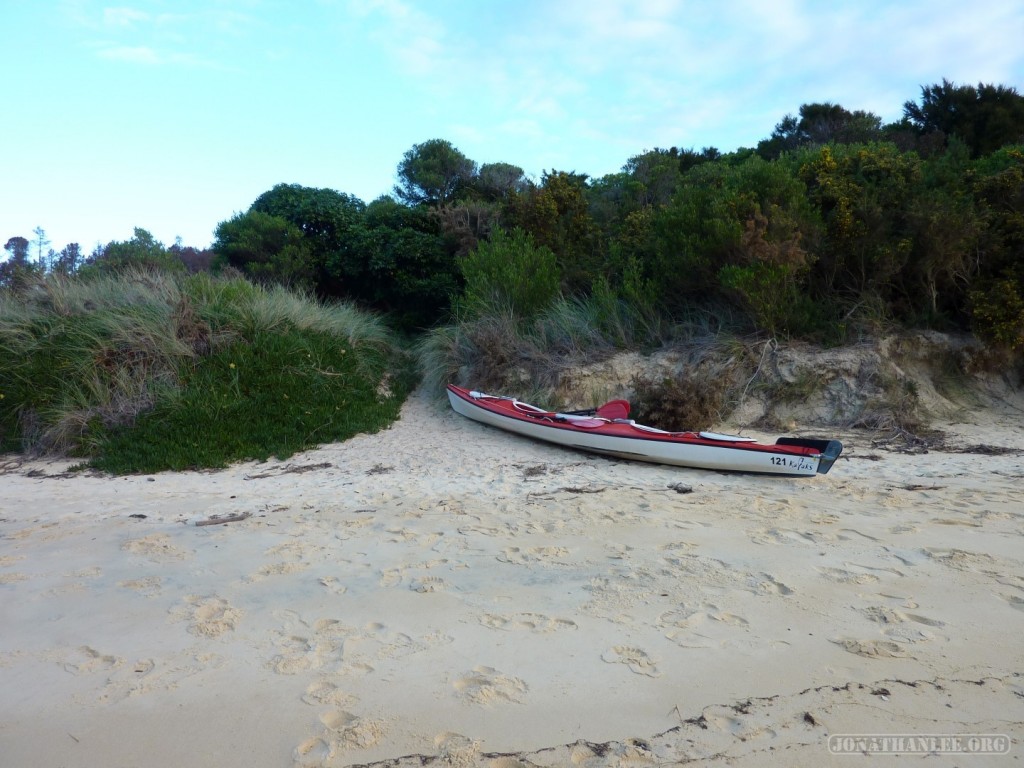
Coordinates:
[442,589]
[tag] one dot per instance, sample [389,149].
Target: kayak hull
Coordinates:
[625,439]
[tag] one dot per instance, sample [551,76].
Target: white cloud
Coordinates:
[123,17]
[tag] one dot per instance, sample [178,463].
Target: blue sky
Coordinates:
[172,115]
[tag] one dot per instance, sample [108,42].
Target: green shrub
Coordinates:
[998,313]
[510,269]
[273,395]
[142,371]
[676,403]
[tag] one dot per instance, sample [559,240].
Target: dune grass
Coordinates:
[502,351]
[145,371]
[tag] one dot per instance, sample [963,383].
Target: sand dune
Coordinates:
[446,592]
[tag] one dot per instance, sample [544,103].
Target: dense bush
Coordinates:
[510,270]
[269,249]
[142,371]
[676,403]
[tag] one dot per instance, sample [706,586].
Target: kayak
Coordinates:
[608,430]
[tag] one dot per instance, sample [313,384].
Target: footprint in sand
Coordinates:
[904,528]
[872,649]
[881,614]
[673,548]
[356,669]
[207,616]
[428,584]
[486,686]
[686,618]
[885,615]
[728,720]
[86,660]
[295,654]
[637,659]
[768,584]
[302,645]
[334,585]
[789,536]
[148,675]
[156,547]
[540,555]
[350,731]
[313,752]
[704,627]
[543,526]
[962,560]
[482,530]
[376,642]
[398,645]
[529,622]
[843,576]
[901,627]
[326,692]
[454,749]
[276,569]
[150,586]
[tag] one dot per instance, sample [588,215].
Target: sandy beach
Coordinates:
[444,593]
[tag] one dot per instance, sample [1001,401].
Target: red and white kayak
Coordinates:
[608,430]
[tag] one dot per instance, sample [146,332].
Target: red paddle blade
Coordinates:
[616,409]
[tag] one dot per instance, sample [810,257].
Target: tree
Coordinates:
[498,181]
[433,173]
[737,232]
[194,259]
[69,259]
[510,271]
[821,123]
[269,249]
[557,216]
[17,249]
[17,270]
[864,195]
[946,229]
[985,117]
[40,243]
[656,174]
[406,270]
[997,295]
[323,215]
[464,224]
[143,251]
[331,223]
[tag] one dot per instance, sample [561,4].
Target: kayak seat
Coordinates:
[614,409]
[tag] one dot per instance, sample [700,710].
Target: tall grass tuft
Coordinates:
[494,347]
[142,364]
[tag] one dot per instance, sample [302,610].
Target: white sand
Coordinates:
[446,590]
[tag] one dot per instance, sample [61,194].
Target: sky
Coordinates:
[174,115]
